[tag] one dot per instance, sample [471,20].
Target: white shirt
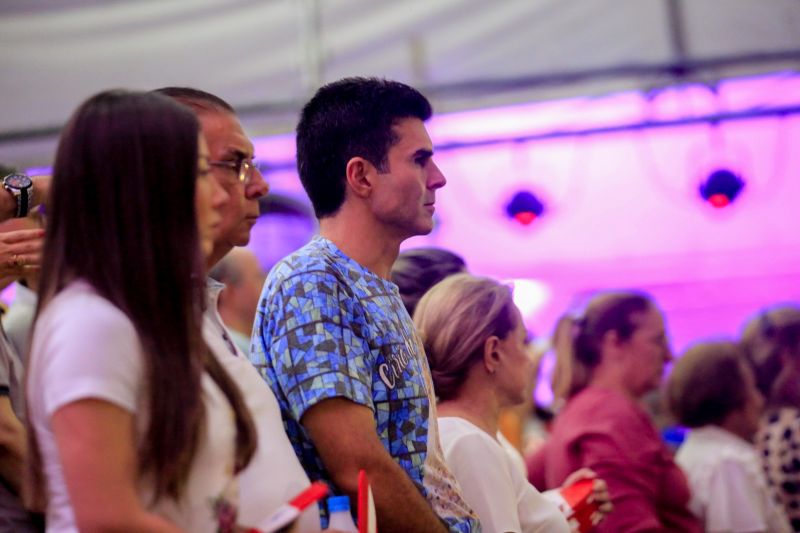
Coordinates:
[729,490]
[274,475]
[513,454]
[85,347]
[493,485]
[19,319]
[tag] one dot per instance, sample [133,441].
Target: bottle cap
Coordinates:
[338,503]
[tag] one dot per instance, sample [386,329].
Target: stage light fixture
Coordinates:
[524,207]
[721,188]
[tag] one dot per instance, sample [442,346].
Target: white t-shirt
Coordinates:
[492,485]
[729,490]
[274,475]
[84,347]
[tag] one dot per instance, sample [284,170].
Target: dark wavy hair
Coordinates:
[121,216]
[707,383]
[417,270]
[345,119]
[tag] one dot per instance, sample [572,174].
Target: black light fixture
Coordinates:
[524,207]
[721,188]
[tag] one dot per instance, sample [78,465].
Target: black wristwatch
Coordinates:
[21,187]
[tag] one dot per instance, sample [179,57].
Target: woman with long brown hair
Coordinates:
[135,426]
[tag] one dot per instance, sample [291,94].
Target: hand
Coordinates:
[20,252]
[599,495]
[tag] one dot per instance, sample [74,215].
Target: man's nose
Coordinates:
[258,186]
[436,179]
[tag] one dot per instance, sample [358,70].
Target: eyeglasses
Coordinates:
[243,168]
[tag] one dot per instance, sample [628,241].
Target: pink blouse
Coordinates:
[608,432]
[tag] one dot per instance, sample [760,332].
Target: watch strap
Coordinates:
[23,202]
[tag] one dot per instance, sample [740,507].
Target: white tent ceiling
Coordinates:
[267,56]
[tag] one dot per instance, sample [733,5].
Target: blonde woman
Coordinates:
[476,343]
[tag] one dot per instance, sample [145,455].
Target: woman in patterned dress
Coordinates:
[772,343]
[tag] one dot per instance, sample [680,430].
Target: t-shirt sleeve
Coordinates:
[733,501]
[483,475]
[89,353]
[307,331]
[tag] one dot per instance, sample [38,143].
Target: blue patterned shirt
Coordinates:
[326,327]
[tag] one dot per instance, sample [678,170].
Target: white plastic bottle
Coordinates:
[339,514]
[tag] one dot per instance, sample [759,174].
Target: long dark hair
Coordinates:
[121,216]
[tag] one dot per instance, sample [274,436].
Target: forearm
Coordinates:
[40,190]
[12,463]
[344,435]
[132,522]
[98,458]
[399,505]
[12,448]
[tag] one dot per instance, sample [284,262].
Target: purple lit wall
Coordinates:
[622,207]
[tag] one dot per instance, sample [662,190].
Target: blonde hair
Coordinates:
[455,318]
[567,373]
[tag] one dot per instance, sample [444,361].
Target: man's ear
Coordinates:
[491,354]
[359,174]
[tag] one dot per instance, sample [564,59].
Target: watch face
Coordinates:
[17,181]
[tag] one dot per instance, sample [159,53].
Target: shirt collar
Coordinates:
[213,288]
[715,433]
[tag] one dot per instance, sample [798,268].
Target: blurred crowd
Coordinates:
[153,377]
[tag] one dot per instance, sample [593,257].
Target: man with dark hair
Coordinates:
[274,475]
[331,334]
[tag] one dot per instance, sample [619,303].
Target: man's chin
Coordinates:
[241,240]
[240,235]
[425,229]
[233,240]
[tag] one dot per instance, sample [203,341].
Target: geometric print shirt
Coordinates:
[326,327]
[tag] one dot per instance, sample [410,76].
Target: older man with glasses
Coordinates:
[274,475]
[231,158]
